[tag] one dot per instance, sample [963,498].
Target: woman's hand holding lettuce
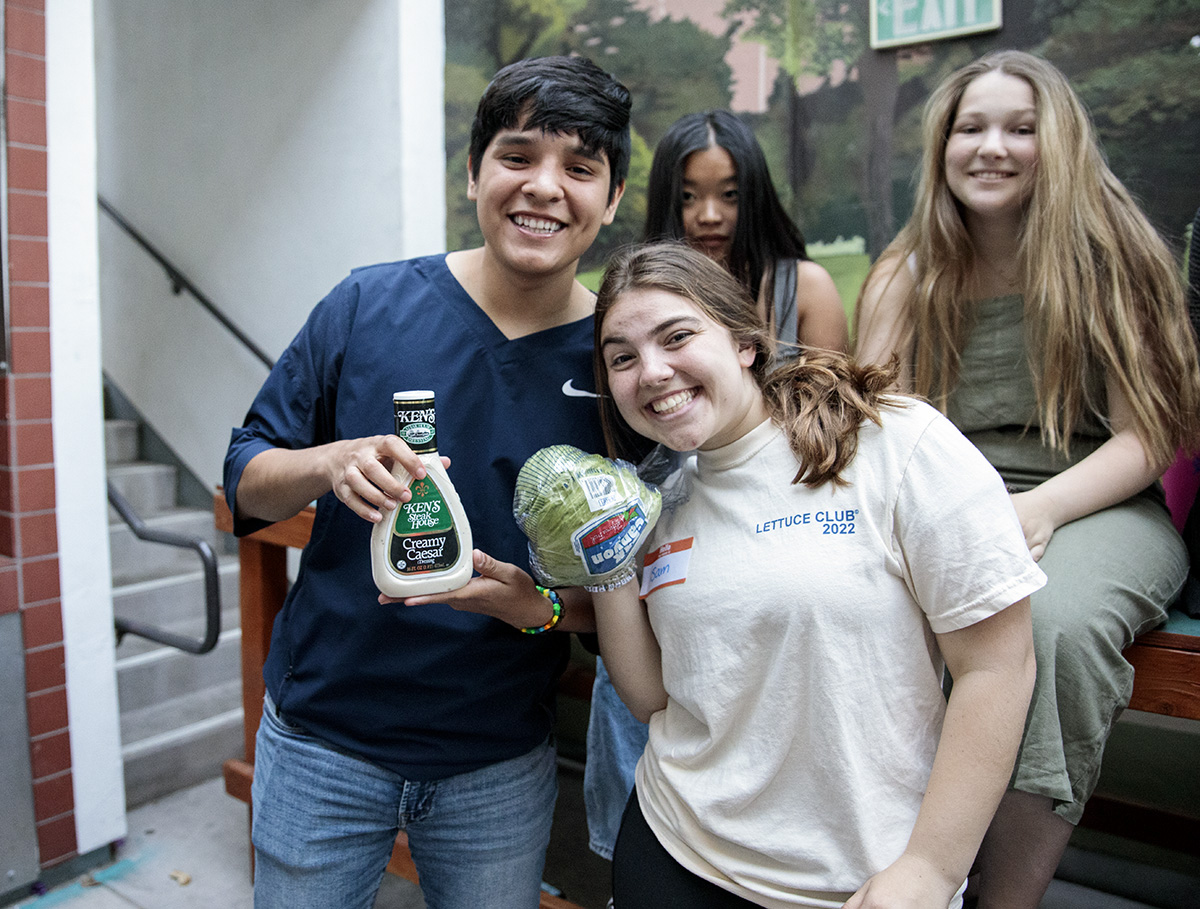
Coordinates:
[586,517]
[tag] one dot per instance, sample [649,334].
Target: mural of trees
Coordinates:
[841,133]
[672,67]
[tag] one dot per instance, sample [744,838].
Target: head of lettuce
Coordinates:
[586,517]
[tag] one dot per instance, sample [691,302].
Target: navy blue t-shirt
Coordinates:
[425,691]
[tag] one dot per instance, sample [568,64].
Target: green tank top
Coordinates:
[995,406]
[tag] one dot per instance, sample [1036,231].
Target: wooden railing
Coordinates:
[1166,681]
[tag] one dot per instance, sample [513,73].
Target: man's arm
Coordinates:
[505,592]
[278,482]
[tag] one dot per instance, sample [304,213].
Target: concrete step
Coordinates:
[177,601]
[162,674]
[120,441]
[150,488]
[136,560]
[181,713]
[182,741]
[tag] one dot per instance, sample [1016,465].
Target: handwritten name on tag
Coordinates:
[666,565]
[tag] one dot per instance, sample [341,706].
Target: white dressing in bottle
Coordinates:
[422,546]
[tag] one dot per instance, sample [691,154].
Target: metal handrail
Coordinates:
[180,282]
[212,590]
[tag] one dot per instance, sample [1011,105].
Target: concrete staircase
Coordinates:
[180,713]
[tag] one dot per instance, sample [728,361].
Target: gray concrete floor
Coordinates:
[189,851]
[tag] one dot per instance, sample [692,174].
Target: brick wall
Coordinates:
[29,578]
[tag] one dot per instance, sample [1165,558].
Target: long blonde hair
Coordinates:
[1101,288]
[820,399]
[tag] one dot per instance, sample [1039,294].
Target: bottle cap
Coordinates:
[416,420]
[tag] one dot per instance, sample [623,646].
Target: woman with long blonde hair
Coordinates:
[1031,301]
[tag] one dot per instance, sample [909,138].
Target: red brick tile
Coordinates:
[35,490]
[46,669]
[33,398]
[25,30]
[30,350]
[26,168]
[5,397]
[39,582]
[9,601]
[30,306]
[47,715]
[25,76]
[26,121]
[35,443]
[7,454]
[42,623]
[35,5]
[8,490]
[8,536]
[38,534]
[53,796]
[50,755]
[56,840]
[29,260]
[27,214]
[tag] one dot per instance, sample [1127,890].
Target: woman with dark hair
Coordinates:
[710,185]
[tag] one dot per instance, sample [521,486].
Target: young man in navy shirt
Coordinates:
[432,715]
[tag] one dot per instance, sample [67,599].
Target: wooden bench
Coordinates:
[1166,681]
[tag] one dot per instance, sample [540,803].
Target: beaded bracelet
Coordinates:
[556,602]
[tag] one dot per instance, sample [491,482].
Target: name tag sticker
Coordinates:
[666,565]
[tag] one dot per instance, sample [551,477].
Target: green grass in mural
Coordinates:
[591,279]
[848,273]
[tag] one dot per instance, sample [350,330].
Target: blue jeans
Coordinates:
[325,822]
[615,741]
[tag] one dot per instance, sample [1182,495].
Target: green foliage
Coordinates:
[805,36]
[631,213]
[671,67]
[1129,60]
[848,273]
[464,86]
[1134,68]
[494,33]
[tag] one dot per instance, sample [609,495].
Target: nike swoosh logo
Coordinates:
[571,391]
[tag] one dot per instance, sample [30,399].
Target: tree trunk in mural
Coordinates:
[799,154]
[878,76]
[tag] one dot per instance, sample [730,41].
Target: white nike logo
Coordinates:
[571,391]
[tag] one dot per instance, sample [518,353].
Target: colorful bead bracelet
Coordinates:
[556,602]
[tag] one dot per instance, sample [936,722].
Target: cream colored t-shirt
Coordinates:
[804,680]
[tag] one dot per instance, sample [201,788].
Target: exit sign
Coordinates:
[899,22]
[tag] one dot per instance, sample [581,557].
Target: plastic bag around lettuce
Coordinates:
[586,517]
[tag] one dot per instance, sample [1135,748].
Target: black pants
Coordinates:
[646,877]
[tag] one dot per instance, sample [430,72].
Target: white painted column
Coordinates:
[78,425]
[422,127]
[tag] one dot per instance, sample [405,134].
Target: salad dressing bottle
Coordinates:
[422,546]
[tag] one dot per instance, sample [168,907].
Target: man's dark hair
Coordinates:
[557,95]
